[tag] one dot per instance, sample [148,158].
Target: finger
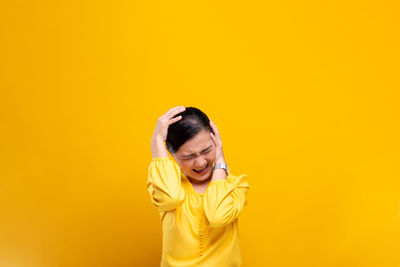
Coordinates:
[173,111]
[213,125]
[169,111]
[214,139]
[171,121]
[215,129]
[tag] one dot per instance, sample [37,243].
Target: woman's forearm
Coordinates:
[158,149]
[218,174]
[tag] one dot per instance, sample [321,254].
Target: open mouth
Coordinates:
[202,171]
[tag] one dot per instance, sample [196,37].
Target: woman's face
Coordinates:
[196,156]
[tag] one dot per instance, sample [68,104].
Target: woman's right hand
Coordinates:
[161,131]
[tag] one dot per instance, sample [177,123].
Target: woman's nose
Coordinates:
[200,162]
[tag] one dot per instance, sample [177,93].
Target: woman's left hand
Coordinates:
[219,156]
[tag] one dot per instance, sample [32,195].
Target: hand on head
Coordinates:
[161,130]
[219,157]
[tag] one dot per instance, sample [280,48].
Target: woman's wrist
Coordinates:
[220,159]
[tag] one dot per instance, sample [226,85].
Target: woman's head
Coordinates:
[190,143]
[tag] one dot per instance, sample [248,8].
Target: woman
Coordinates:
[198,199]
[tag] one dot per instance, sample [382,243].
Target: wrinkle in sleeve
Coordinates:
[164,184]
[225,199]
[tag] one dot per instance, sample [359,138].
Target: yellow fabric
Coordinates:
[198,229]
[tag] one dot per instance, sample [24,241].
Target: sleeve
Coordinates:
[225,199]
[164,184]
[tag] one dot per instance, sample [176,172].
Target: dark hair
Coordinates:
[192,122]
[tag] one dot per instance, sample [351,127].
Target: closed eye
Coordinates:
[206,151]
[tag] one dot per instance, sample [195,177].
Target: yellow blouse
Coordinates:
[199,229]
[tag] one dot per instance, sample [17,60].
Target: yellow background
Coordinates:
[305,94]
